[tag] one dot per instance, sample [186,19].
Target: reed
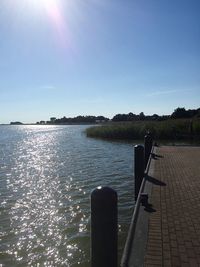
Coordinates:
[172,129]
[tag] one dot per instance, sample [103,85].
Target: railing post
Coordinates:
[104,227]
[148,142]
[139,167]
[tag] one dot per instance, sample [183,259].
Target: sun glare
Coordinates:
[54,11]
[51,6]
[42,3]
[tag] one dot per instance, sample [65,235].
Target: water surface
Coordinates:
[46,177]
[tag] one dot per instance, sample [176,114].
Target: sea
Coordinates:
[47,174]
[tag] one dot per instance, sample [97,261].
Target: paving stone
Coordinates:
[174,229]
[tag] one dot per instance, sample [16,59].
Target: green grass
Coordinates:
[173,129]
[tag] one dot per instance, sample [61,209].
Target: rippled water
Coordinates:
[46,177]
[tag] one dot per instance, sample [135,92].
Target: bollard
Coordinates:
[139,168]
[148,142]
[104,227]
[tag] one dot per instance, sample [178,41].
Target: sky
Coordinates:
[97,57]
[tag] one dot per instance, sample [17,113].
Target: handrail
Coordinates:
[131,233]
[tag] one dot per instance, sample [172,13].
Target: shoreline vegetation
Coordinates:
[171,129]
[181,125]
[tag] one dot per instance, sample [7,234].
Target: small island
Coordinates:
[16,123]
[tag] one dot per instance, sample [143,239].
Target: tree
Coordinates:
[52,119]
[141,116]
[155,117]
[120,117]
[179,113]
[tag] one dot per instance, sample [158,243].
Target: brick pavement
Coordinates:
[174,226]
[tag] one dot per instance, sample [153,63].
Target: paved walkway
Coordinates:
[174,221]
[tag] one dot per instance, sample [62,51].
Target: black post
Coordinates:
[148,142]
[104,227]
[139,168]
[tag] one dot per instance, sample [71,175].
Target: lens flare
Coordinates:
[57,19]
[58,13]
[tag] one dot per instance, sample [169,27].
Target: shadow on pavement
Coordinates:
[156,156]
[149,208]
[155,181]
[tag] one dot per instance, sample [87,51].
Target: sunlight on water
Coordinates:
[46,175]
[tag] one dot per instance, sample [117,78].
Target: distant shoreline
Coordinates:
[179,113]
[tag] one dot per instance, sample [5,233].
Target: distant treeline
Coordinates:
[177,114]
[76,120]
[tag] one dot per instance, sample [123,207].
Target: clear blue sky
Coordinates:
[97,57]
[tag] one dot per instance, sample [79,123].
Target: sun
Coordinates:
[52,9]
[40,4]
[58,14]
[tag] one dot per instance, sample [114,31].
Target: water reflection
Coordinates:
[47,174]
